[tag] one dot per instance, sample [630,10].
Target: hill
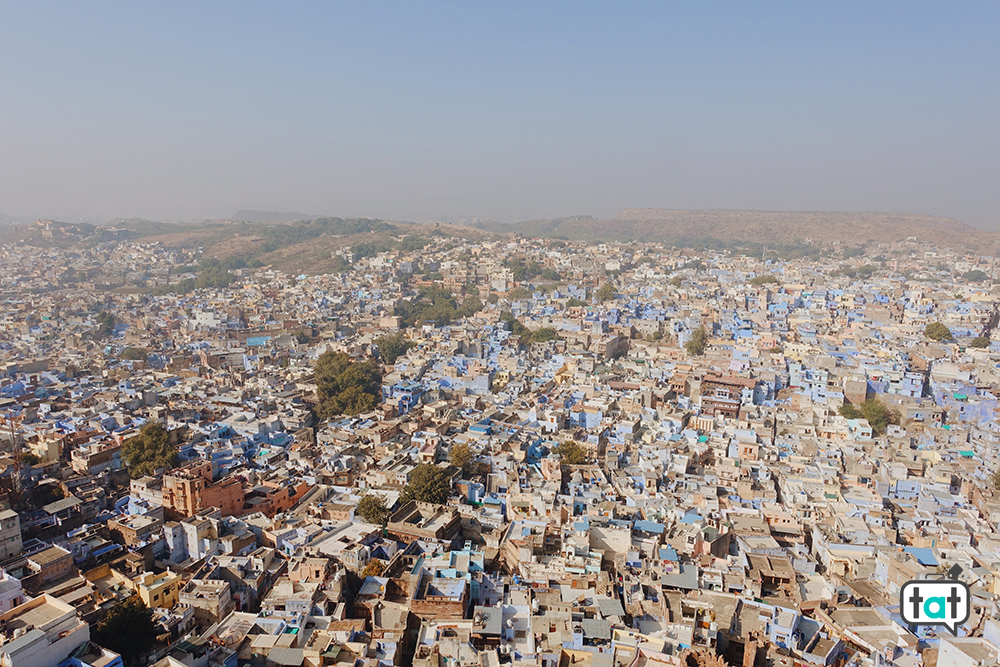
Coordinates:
[724,227]
[268,217]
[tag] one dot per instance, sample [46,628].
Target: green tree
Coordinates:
[27,458]
[105,324]
[975,276]
[213,275]
[437,305]
[346,387]
[518,293]
[996,479]
[698,342]
[427,484]
[128,629]
[550,274]
[570,453]
[878,415]
[149,450]
[937,331]
[573,302]
[676,281]
[462,456]
[470,306]
[492,298]
[373,509]
[764,280]
[606,292]
[393,346]
[134,354]
[542,335]
[980,341]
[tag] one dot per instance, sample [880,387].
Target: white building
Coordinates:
[40,633]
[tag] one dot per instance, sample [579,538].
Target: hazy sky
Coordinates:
[502,110]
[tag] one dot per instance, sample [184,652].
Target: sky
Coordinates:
[498,110]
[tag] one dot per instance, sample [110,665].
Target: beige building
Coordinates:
[159,590]
[10,534]
[212,600]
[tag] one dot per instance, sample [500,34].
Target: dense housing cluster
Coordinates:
[498,451]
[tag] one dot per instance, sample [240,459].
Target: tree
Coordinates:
[149,450]
[462,456]
[105,324]
[373,509]
[470,306]
[937,331]
[570,453]
[393,346]
[975,276]
[27,458]
[764,280]
[605,292]
[550,274]
[213,276]
[996,479]
[427,484]
[878,415]
[542,335]
[134,354]
[492,298]
[980,341]
[518,293]
[437,305]
[698,342]
[345,386]
[676,281]
[128,629]
[573,302]
[516,327]
[374,568]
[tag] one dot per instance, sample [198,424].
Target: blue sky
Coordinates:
[504,110]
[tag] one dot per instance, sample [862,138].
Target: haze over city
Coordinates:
[503,111]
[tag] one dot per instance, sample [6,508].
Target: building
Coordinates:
[11,593]
[159,590]
[211,599]
[41,633]
[190,489]
[416,521]
[10,534]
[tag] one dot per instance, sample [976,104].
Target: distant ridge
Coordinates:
[12,220]
[780,219]
[694,227]
[268,217]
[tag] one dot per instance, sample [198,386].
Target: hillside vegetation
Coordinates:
[721,228]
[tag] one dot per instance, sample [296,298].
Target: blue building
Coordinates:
[406,395]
